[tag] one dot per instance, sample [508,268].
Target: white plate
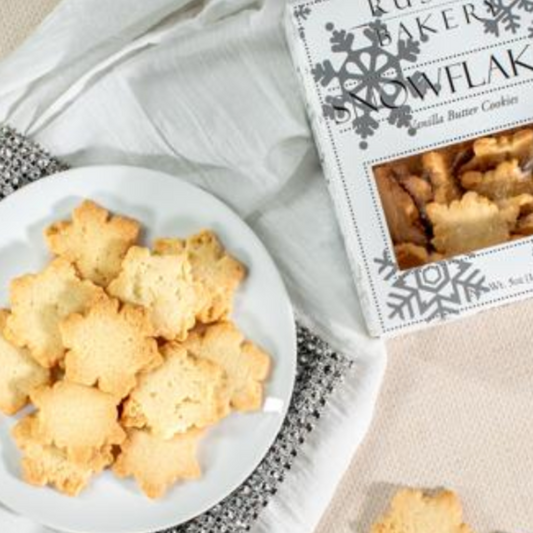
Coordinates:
[232,450]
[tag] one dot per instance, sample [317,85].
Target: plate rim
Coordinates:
[68,173]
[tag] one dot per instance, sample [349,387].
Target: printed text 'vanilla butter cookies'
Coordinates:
[157,464]
[183,393]
[164,285]
[109,346]
[94,241]
[19,373]
[219,273]
[245,364]
[412,511]
[81,420]
[40,301]
[46,464]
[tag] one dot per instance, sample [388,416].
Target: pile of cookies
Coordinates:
[127,353]
[413,511]
[459,199]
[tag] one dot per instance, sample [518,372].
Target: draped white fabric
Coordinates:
[206,91]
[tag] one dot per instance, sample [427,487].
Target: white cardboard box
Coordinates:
[388,81]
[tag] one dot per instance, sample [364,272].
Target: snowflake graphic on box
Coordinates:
[302,12]
[369,80]
[508,15]
[433,291]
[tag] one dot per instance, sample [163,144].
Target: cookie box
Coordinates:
[422,116]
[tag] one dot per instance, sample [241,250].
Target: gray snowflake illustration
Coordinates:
[302,12]
[433,291]
[369,75]
[509,15]
[387,267]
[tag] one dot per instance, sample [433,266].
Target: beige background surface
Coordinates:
[455,410]
[18,18]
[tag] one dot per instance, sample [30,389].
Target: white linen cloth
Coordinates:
[206,91]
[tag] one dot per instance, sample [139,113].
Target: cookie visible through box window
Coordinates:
[458,199]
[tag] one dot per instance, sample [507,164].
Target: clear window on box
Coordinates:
[460,198]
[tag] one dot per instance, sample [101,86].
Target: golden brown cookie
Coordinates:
[506,180]
[469,224]
[420,190]
[401,213]
[46,464]
[410,255]
[81,420]
[218,272]
[19,373]
[157,464]
[491,151]
[412,511]
[183,393]
[524,226]
[245,364]
[438,169]
[109,346]
[164,285]
[39,303]
[94,241]
[435,256]
[515,210]
[523,203]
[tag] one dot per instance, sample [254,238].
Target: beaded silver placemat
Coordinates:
[319,371]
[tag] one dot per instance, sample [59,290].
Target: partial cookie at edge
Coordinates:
[412,511]
[20,373]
